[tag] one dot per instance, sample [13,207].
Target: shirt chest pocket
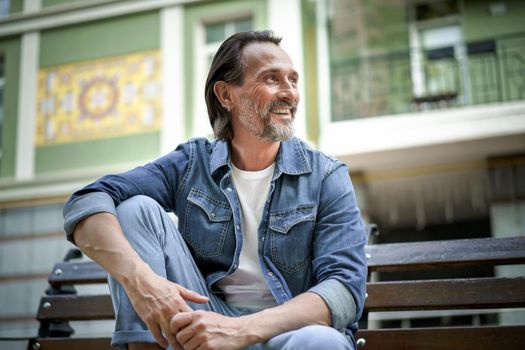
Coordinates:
[207,223]
[291,234]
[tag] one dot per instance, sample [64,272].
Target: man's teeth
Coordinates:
[280,111]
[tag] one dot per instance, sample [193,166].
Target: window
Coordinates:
[213,34]
[4,8]
[436,10]
[438,56]
[218,32]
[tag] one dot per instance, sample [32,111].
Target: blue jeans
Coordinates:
[156,239]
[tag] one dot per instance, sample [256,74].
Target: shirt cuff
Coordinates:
[339,300]
[81,207]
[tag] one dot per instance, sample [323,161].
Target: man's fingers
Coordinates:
[186,335]
[180,321]
[157,334]
[171,337]
[192,296]
[192,343]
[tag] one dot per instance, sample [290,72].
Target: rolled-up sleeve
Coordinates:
[83,206]
[339,301]
[339,263]
[159,180]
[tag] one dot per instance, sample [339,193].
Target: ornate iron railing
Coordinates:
[480,72]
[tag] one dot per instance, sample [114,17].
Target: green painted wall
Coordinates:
[196,14]
[105,38]
[16,6]
[10,49]
[48,3]
[478,24]
[80,155]
[88,41]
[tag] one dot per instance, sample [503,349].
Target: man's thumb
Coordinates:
[193,296]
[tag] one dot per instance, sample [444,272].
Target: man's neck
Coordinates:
[252,154]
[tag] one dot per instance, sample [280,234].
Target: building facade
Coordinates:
[424,100]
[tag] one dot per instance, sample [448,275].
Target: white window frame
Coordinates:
[415,29]
[201,125]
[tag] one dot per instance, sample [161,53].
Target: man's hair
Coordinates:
[229,65]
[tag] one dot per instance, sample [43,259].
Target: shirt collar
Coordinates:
[291,158]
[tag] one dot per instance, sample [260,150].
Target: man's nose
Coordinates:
[288,92]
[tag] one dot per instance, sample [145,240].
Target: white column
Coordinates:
[173,108]
[507,220]
[25,131]
[32,6]
[416,58]
[285,19]
[323,70]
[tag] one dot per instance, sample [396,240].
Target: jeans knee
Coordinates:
[317,337]
[141,215]
[135,205]
[138,210]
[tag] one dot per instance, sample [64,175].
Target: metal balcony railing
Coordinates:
[480,72]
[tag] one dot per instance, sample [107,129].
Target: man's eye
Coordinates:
[270,78]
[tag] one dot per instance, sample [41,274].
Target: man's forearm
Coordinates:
[154,298]
[303,310]
[101,238]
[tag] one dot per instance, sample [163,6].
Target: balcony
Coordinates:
[486,71]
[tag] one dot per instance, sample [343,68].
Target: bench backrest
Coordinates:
[401,295]
[464,293]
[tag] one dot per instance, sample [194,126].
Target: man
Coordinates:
[269,249]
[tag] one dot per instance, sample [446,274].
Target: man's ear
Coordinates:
[222,91]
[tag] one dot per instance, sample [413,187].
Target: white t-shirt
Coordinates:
[246,287]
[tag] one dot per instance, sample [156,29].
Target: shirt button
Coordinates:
[229,189]
[212,215]
[234,266]
[238,228]
[270,273]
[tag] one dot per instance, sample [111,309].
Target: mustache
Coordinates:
[289,104]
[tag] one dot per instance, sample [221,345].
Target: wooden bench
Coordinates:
[462,293]
[62,304]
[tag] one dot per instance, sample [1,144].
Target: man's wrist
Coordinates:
[136,276]
[249,330]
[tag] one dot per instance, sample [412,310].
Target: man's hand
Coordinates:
[208,330]
[157,301]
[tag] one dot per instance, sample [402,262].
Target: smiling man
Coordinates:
[269,248]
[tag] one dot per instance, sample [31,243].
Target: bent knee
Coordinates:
[317,337]
[136,206]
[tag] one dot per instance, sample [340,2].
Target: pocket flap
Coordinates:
[282,221]
[215,209]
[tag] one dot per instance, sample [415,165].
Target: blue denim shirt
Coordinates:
[311,237]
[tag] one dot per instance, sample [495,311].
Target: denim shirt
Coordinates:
[311,237]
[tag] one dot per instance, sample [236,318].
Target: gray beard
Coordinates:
[259,122]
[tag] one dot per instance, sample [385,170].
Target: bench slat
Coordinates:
[449,294]
[447,338]
[475,293]
[435,254]
[72,343]
[85,272]
[74,308]
[383,257]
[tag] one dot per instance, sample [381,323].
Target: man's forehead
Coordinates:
[259,55]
